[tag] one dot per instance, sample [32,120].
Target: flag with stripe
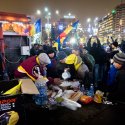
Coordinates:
[62,37]
[64,34]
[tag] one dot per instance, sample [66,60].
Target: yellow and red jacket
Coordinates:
[28,66]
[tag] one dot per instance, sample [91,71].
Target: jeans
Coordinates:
[98,73]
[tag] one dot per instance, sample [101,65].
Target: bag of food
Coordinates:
[98,96]
[86,99]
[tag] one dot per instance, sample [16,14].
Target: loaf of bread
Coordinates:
[76,96]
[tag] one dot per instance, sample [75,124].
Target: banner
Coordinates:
[38,26]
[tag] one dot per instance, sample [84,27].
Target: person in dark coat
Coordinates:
[115,49]
[40,49]
[122,47]
[66,49]
[60,66]
[88,59]
[34,50]
[46,46]
[51,68]
[99,55]
[118,90]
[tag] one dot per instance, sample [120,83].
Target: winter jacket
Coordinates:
[80,67]
[118,88]
[27,68]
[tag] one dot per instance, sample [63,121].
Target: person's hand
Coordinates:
[62,61]
[111,61]
[66,69]
[57,81]
[37,75]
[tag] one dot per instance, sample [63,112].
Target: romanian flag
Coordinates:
[32,30]
[35,28]
[64,34]
[62,37]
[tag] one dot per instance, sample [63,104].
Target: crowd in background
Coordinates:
[102,64]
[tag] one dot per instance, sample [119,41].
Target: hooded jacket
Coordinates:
[80,67]
[73,59]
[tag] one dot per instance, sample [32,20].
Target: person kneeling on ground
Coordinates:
[35,65]
[81,70]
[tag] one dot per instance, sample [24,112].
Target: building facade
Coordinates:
[113,24]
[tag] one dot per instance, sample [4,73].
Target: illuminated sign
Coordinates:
[69,17]
[17,28]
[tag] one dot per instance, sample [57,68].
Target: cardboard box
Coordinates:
[10,102]
[28,87]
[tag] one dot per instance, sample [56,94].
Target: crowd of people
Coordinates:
[100,64]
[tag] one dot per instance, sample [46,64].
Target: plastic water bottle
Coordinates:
[42,98]
[82,89]
[91,90]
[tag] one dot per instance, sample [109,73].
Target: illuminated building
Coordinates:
[113,24]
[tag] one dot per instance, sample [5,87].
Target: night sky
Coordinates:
[80,8]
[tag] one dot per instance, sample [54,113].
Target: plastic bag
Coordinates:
[98,96]
[86,99]
[9,118]
[70,104]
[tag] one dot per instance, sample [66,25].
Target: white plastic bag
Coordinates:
[70,104]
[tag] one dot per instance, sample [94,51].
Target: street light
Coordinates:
[47,25]
[38,12]
[89,27]
[69,14]
[46,9]
[57,12]
[88,20]
[49,14]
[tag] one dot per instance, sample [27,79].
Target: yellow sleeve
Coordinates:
[56,45]
[70,59]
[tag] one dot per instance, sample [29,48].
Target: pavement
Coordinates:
[89,114]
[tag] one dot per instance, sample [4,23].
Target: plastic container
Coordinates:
[66,75]
[91,90]
[42,98]
[82,89]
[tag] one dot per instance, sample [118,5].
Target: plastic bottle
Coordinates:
[91,90]
[82,89]
[42,98]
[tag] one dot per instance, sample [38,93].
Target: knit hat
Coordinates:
[50,50]
[61,55]
[43,58]
[119,58]
[115,44]
[76,48]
